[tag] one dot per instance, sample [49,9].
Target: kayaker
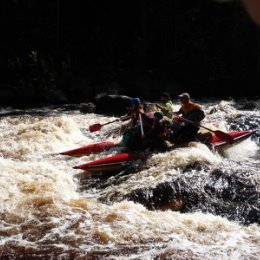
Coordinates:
[189,110]
[132,136]
[153,126]
[166,105]
[155,136]
[134,110]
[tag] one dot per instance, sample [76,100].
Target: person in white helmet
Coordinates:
[191,111]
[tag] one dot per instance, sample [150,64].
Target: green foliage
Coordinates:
[143,46]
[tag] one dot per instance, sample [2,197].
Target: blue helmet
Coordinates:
[136,101]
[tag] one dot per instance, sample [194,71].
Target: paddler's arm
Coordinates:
[179,112]
[165,110]
[125,118]
[176,114]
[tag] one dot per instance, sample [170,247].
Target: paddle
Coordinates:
[97,127]
[141,124]
[218,133]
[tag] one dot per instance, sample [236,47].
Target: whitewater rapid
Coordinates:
[178,205]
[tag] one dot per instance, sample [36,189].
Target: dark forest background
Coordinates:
[69,51]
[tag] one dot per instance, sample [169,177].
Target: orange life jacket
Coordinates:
[187,108]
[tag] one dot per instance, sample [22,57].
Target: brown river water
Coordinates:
[190,203]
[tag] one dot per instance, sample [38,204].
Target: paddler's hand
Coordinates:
[124,118]
[141,111]
[177,118]
[159,106]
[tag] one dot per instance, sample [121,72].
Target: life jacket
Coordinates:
[193,112]
[168,106]
[187,108]
[196,115]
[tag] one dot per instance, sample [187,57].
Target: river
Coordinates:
[190,203]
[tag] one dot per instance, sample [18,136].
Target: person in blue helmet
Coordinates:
[135,101]
[135,107]
[132,137]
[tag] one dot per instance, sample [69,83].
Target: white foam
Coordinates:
[241,151]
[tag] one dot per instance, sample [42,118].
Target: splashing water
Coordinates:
[190,203]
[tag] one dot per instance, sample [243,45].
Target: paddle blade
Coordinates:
[95,127]
[224,136]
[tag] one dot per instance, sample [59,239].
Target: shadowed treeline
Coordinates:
[61,52]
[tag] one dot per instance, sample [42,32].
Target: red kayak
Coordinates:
[238,136]
[90,149]
[100,147]
[121,160]
[112,163]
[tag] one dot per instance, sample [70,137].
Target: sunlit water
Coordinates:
[190,203]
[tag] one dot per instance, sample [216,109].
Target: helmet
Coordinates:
[184,95]
[135,101]
[158,115]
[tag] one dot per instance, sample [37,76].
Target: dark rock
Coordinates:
[112,104]
[219,193]
[249,106]
[213,110]
[87,107]
[165,196]
[68,107]
[253,215]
